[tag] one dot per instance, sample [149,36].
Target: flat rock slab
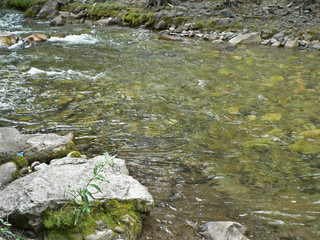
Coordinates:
[32,145]
[25,199]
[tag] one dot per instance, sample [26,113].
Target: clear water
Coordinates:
[214,135]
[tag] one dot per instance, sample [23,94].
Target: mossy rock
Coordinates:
[260,145]
[19,161]
[305,146]
[111,212]
[55,154]
[24,4]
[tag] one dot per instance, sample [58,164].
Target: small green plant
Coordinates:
[5,230]
[83,204]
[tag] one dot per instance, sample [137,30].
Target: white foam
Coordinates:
[76,39]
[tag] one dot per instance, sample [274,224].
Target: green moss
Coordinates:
[179,20]
[111,212]
[19,161]
[105,10]
[199,25]
[75,154]
[46,157]
[24,4]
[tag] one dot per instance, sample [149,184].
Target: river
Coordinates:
[213,134]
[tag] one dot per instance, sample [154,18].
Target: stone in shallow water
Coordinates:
[272,117]
[222,230]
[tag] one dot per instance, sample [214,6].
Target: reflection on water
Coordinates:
[214,135]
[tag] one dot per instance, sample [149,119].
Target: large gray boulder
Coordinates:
[222,230]
[48,8]
[24,200]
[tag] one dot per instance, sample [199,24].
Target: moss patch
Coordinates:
[112,213]
[24,4]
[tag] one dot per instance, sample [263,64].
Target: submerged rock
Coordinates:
[25,200]
[222,230]
[8,39]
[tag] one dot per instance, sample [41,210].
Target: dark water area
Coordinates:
[214,135]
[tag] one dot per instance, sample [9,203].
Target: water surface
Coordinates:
[214,135]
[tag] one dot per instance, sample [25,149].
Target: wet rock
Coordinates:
[58,21]
[48,8]
[278,37]
[291,44]
[35,37]
[227,13]
[275,44]
[107,234]
[316,46]
[8,39]
[307,37]
[165,35]
[247,38]
[159,15]
[7,171]
[222,230]
[161,25]
[81,14]
[104,22]
[25,199]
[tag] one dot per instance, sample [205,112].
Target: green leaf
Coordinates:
[77,217]
[96,187]
[58,222]
[78,202]
[101,176]
[85,198]
[95,170]
[88,211]
[90,194]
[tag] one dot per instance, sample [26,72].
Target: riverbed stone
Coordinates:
[278,37]
[227,13]
[8,39]
[103,22]
[316,46]
[247,38]
[25,199]
[58,21]
[291,44]
[7,171]
[161,25]
[222,230]
[48,8]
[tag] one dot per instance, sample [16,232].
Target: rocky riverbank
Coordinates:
[44,192]
[289,24]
